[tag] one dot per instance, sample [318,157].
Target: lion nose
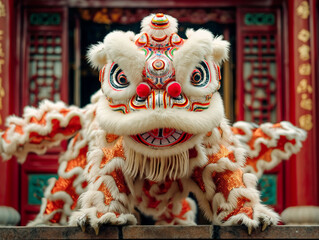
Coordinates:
[173,89]
[143,90]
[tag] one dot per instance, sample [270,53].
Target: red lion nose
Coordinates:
[143,90]
[173,89]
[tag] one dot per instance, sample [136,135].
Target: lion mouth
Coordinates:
[162,137]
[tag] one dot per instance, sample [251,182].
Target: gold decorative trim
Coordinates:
[305,69]
[306,103]
[305,122]
[304,87]
[303,10]
[304,52]
[2,9]
[304,35]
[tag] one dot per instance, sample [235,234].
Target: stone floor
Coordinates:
[160,232]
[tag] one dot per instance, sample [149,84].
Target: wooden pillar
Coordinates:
[302,104]
[8,98]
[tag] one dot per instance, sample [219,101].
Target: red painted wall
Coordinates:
[9,98]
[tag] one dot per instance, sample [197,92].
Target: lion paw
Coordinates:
[89,217]
[263,221]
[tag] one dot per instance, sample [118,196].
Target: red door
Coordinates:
[45,76]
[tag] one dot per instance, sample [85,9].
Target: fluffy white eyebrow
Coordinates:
[194,50]
[200,44]
[119,47]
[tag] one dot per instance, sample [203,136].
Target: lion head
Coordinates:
[161,91]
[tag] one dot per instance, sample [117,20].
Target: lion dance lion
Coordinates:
[153,133]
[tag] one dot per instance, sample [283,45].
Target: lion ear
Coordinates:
[97,56]
[220,49]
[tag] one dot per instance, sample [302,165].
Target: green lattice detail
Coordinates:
[259,19]
[268,188]
[46,19]
[36,186]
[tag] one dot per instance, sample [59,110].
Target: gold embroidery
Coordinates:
[119,179]
[78,161]
[228,180]
[107,195]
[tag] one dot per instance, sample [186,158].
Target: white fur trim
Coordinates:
[220,50]
[19,144]
[196,48]
[120,48]
[96,55]
[277,155]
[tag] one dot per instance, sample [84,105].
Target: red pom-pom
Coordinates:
[174,89]
[143,90]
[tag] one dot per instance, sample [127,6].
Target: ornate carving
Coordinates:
[2,9]
[304,35]
[260,19]
[259,77]
[306,103]
[304,87]
[304,52]
[305,69]
[303,10]
[45,19]
[305,122]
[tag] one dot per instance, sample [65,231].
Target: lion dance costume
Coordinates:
[155,132]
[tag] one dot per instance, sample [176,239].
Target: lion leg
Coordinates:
[237,201]
[107,199]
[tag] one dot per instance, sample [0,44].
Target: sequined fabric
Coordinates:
[107,195]
[227,181]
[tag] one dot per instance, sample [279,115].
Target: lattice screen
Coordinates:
[260,75]
[45,67]
[259,83]
[259,66]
